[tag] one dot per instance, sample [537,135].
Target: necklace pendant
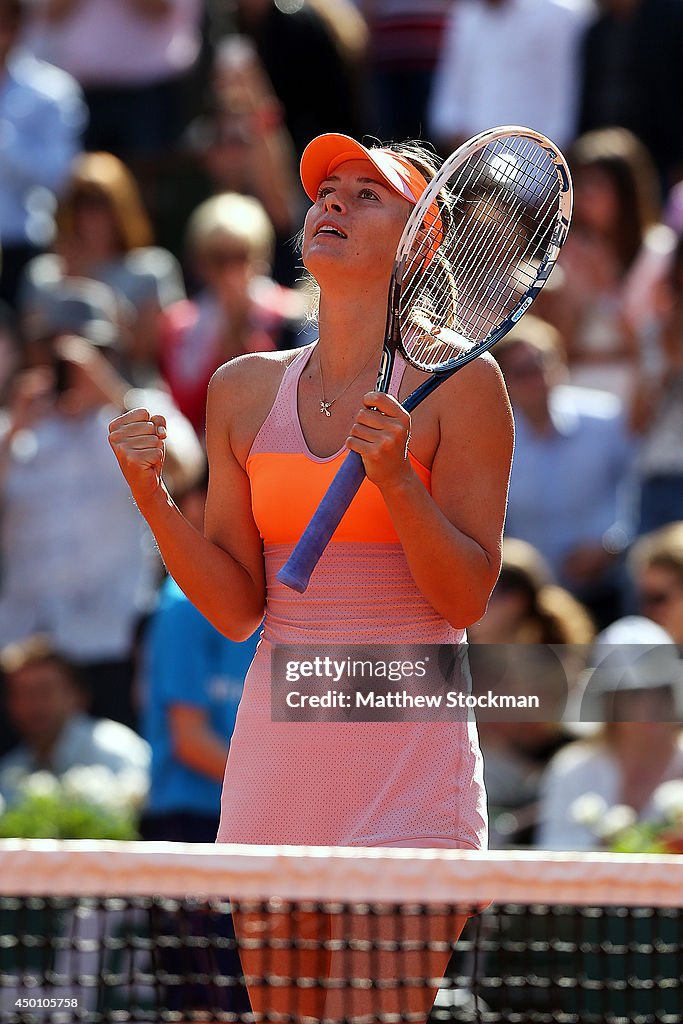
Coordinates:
[325,408]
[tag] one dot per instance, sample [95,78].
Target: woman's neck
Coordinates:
[351,330]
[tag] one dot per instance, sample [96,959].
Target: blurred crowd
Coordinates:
[149,211]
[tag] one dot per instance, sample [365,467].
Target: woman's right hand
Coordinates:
[137,440]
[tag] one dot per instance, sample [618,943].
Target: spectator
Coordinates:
[638,746]
[525,608]
[614,257]
[311,56]
[631,75]
[658,409]
[656,563]
[243,145]
[10,351]
[132,58]
[230,242]
[194,680]
[42,116]
[405,42]
[569,489]
[78,561]
[104,233]
[46,707]
[496,67]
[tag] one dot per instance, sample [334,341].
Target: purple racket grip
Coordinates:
[297,570]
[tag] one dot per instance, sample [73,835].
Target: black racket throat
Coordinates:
[392,333]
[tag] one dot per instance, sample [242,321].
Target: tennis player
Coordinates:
[414,560]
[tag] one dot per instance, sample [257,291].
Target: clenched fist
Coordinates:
[137,440]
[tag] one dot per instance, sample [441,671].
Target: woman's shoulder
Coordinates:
[480,380]
[255,369]
[474,396]
[244,389]
[242,393]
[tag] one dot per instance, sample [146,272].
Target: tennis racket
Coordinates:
[461,280]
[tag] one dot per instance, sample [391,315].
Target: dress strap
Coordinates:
[280,429]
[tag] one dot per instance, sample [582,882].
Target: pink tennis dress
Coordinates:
[341,783]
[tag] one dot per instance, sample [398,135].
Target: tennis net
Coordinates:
[110,932]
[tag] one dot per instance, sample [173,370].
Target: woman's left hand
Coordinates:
[381,435]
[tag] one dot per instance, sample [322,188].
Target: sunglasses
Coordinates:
[222,258]
[655,598]
[90,201]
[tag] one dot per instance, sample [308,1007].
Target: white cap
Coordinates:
[633,629]
[633,653]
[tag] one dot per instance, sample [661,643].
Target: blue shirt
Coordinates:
[188,662]
[571,485]
[42,115]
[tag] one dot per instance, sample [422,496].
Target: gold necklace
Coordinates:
[325,407]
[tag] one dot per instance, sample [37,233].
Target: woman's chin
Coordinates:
[331,267]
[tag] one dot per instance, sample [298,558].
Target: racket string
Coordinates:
[518,259]
[485,222]
[477,249]
[484,288]
[490,236]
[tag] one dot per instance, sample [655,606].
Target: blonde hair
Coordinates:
[105,174]
[35,649]
[346,25]
[234,216]
[531,330]
[552,615]
[662,548]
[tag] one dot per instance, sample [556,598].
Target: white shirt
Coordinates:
[514,62]
[108,42]
[577,769]
[83,741]
[77,559]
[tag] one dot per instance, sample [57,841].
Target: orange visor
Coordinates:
[325,153]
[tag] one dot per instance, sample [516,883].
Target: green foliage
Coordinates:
[645,838]
[59,816]
[87,802]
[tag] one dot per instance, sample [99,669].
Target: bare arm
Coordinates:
[221,572]
[194,742]
[451,538]
[247,95]
[272,163]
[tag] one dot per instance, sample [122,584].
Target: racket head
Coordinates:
[465,275]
